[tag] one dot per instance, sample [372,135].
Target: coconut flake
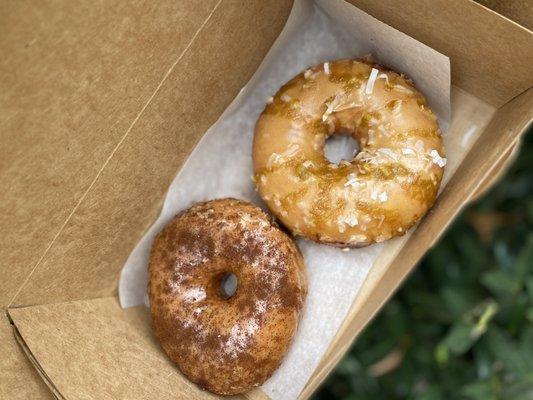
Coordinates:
[403,89]
[307,74]
[274,159]
[351,220]
[371,80]
[383,130]
[389,153]
[383,197]
[384,76]
[326,68]
[437,159]
[331,107]
[340,224]
[352,180]
[285,97]
[358,238]
[408,151]
[372,121]
[347,106]
[270,100]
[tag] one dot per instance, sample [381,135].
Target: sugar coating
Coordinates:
[217,340]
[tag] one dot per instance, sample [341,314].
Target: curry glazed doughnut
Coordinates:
[226,345]
[384,190]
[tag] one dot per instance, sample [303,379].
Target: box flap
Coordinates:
[109,353]
[73,76]
[490,55]
[86,255]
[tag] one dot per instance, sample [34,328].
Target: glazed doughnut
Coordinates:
[384,190]
[225,344]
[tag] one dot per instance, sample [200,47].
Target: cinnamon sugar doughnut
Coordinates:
[225,345]
[384,190]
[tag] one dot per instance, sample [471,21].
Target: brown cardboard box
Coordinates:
[94,102]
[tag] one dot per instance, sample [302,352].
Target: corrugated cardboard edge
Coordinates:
[35,364]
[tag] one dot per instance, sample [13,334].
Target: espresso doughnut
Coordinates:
[227,344]
[384,190]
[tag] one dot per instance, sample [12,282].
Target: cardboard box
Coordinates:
[94,103]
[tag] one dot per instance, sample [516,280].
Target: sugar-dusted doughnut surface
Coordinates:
[384,190]
[225,343]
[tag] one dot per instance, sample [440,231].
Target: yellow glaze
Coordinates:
[389,185]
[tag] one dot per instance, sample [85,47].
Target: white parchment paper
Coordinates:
[221,166]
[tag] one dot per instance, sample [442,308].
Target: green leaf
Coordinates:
[500,283]
[442,354]
[459,300]
[526,338]
[520,390]
[506,351]
[349,366]
[430,392]
[480,390]
[470,249]
[491,308]
[524,262]
[464,333]
[483,361]
[459,339]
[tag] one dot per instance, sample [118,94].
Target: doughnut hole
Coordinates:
[227,283]
[340,147]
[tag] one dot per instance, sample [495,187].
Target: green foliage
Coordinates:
[462,326]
